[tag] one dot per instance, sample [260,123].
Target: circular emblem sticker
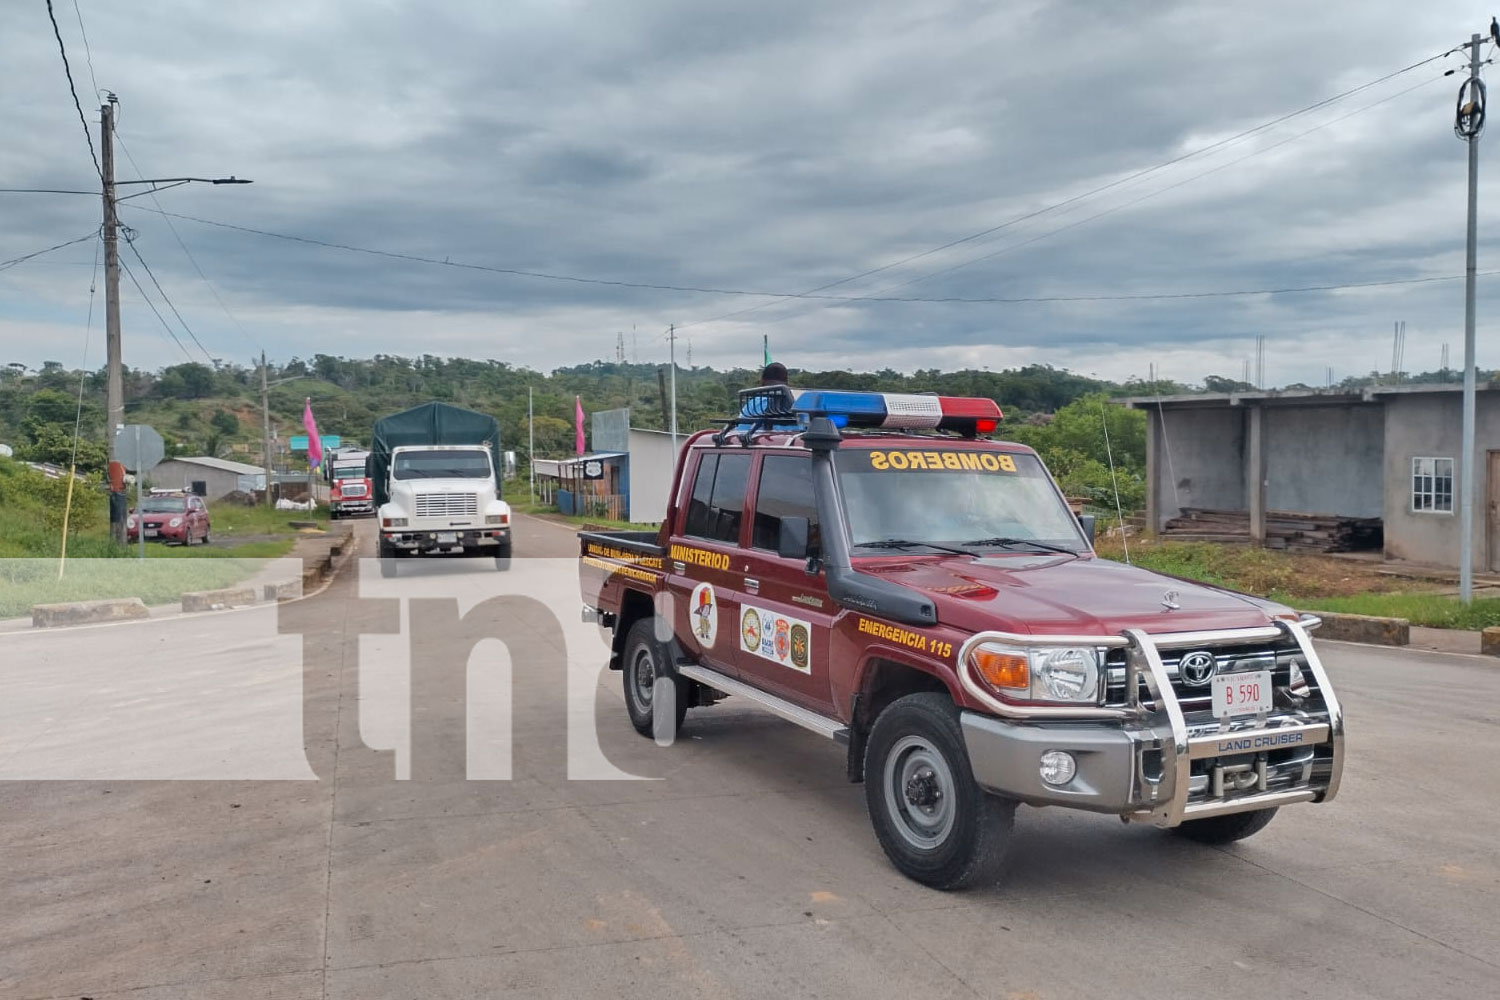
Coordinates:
[783,638]
[705,615]
[750,629]
[799,647]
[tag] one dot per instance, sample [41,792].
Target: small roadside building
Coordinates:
[628,477]
[210,478]
[1387,452]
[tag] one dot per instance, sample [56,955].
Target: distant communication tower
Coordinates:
[620,348]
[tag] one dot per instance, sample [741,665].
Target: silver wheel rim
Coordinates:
[919,792]
[643,679]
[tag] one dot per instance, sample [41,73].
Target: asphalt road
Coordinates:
[748,869]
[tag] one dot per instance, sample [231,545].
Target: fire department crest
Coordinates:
[705,615]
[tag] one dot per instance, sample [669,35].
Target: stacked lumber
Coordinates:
[1285,529]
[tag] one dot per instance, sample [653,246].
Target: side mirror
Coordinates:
[1086,522]
[791,540]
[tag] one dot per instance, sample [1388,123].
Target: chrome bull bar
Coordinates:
[1179,748]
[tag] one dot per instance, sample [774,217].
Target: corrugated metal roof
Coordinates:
[222,464]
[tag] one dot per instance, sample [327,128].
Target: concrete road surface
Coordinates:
[746,868]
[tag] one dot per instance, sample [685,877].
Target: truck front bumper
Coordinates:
[420,541]
[1158,766]
[345,508]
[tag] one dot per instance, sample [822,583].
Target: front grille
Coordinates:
[1276,657]
[356,490]
[447,505]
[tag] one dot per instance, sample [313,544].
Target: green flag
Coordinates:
[765,344]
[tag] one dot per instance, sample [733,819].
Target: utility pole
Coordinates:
[531,443]
[115,379]
[265,424]
[1469,123]
[672,337]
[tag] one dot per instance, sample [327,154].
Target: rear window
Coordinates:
[718,503]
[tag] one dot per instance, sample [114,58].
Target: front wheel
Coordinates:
[502,558]
[1226,829]
[935,823]
[387,556]
[645,660]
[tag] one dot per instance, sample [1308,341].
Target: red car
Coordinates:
[173,517]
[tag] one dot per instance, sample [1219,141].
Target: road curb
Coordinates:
[218,600]
[1368,629]
[114,609]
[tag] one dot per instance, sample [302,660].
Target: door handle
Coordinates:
[753,586]
[679,567]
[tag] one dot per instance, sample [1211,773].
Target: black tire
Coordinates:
[645,660]
[1226,829]
[956,838]
[502,558]
[387,556]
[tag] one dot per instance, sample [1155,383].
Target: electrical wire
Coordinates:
[74,90]
[130,242]
[6,264]
[188,253]
[1228,141]
[93,194]
[88,53]
[942,299]
[164,325]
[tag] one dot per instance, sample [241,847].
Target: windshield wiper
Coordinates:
[1008,542]
[903,543]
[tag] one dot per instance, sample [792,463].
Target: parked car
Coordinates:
[170,517]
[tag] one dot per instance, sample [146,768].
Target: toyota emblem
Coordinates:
[1197,668]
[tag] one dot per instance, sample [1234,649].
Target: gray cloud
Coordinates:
[774,145]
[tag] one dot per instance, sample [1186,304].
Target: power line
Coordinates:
[87,52]
[74,90]
[4,264]
[131,274]
[130,242]
[944,299]
[91,194]
[1230,140]
[188,253]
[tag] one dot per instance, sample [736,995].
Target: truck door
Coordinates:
[705,562]
[786,616]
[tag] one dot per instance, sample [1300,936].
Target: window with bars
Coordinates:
[1432,485]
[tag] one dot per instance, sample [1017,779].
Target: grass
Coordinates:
[1309,582]
[25,582]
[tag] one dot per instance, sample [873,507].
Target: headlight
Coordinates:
[497,519]
[1067,674]
[394,522]
[1062,673]
[176,522]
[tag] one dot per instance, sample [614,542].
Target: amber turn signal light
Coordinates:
[1001,670]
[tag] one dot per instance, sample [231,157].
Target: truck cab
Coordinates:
[874,568]
[444,498]
[350,493]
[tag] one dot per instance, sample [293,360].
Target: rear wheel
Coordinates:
[645,661]
[935,823]
[1226,829]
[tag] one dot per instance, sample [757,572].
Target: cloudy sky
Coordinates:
[776,146]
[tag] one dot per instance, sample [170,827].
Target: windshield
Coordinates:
[348,472]
[953,497]
[442,465]
[163,505]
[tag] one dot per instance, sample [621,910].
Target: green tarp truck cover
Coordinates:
[430,423]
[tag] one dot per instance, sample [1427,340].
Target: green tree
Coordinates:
[225,423]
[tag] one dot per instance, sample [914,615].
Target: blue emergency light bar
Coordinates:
[891,410]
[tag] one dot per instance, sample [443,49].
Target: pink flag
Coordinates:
[314,442]
[578,420]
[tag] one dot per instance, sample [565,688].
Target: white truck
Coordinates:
[434,469]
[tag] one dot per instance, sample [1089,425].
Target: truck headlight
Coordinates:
[176,522]
[393,522]
[1067,674]
[1062,673]
[497,519]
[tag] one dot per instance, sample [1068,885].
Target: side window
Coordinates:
[786,490]
[718,503]
[703,487]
